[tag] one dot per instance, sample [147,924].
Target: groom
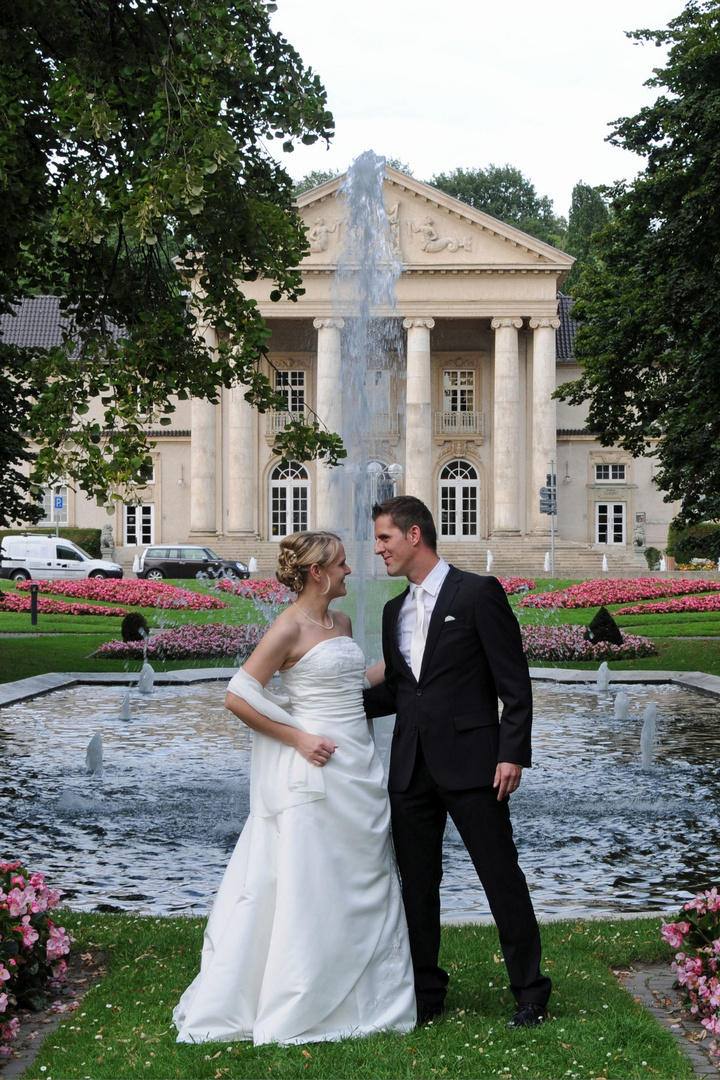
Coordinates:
[452,646]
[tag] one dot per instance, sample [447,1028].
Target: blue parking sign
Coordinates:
[58,502]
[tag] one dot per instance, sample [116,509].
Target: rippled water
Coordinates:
[596,833]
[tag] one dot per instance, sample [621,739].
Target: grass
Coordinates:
[124,1027]
[71,638]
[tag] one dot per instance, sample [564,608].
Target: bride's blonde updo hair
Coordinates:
[299,551]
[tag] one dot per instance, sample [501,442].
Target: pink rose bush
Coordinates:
[597,593]
[515,585]
[193,641]
[697,965]
[137,593]
[32,947]
[566,642]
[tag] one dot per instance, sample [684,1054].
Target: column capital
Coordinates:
[427,323]
[550,322]
[328,324]
[506,321]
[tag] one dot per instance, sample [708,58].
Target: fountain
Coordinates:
[604,564]
[647,735]
[94,756]
[603,678]
[546,564]
[489,564]
[147,679]
[157,831]
[622,706]
[125,713]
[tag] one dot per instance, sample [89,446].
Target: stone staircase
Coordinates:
[512,557]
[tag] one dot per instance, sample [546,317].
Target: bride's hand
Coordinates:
[315,748]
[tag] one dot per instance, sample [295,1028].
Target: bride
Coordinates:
[306,941]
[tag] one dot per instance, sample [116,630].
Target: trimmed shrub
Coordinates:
[652,557]
[134,627]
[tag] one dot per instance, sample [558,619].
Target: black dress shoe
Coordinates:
[527,1014]
[427,1011]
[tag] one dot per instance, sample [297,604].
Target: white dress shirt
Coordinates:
[431,587]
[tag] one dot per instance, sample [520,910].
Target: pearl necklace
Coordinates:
[310,618]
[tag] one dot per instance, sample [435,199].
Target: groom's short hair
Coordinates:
[406,511]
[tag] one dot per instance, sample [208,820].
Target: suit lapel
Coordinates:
[392,614]
[449,588]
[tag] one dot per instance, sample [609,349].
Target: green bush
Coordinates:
[134,626]
[87,539]
[694,541]
[652,557]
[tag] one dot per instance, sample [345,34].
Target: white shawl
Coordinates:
[280,777]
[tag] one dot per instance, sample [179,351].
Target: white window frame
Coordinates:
[54,516]
[611,522]
[290,382]
[459,501]
[289,500]
[458,390]
[616,472]
[139,524]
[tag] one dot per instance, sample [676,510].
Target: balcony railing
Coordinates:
[276,421]
[458,424]
[383,424]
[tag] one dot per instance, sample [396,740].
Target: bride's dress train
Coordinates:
[307,940]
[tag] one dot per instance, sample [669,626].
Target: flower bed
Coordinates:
[189,642]
[514,585]
[666,607]
[262,591]
[139,593]
[697,965]
[50,606]
[31,946]
[565,642]
[597,593]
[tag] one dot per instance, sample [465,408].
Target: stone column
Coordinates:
[506,427]
[241,494]
[544,425]
[418,410]
[328,406]
[203,458]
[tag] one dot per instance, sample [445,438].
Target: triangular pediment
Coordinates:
[431,230]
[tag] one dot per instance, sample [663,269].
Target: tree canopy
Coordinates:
[318,176]
[588,215]
[133,162]
[649,340]
[503,192]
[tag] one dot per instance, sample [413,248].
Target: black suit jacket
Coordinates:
[473,656]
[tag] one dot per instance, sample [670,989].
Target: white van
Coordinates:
[42,557]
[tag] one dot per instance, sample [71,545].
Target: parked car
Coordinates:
[27,557]
[186,561]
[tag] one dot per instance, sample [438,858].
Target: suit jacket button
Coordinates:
[418,691]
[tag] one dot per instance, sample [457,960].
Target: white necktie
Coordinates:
[419,633]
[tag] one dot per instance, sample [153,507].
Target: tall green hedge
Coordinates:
[694,541]
[87,539]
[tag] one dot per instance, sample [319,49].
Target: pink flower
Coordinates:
[17,902]
[4,973]
[674,933]
[18,880]
[3,1002]
[58,943]
[712,1023]
[29,933]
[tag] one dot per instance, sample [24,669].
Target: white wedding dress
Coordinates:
[307,940]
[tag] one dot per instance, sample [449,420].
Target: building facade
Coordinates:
[462,414]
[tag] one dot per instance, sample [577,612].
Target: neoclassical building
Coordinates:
[461,411]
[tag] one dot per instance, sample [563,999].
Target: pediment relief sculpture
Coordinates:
[319,234]
[431,240]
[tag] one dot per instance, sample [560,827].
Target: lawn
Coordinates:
[686,641]
[123,1028]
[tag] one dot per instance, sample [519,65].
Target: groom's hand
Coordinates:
[507,779]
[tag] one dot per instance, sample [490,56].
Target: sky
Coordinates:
[469,83]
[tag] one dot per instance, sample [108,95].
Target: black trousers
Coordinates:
[419,816]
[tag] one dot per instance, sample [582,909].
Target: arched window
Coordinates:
[289,490]
[459,499]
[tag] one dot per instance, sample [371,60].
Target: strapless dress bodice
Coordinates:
[327,681]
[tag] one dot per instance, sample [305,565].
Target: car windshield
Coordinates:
[84,552]
[211,554]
